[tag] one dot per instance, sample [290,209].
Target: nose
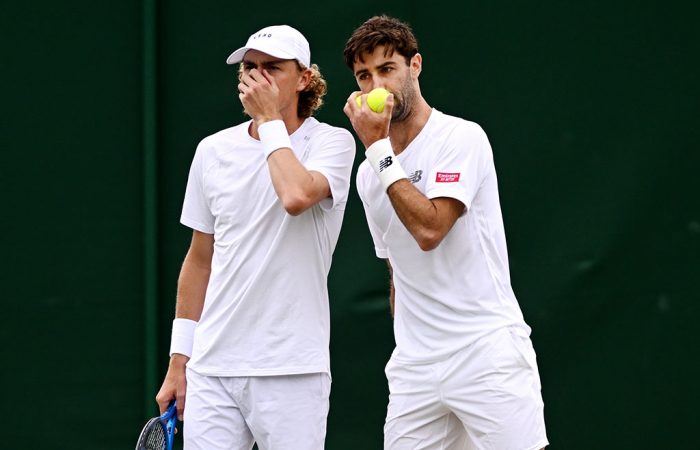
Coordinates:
[376,84]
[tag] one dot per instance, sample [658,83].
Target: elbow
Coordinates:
[428,239]
[295,204]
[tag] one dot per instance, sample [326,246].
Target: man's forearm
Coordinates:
[297,188]
[391,288]
[191,291]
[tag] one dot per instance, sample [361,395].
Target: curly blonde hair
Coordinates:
[311,98]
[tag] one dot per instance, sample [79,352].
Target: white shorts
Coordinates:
[486,396]
[277,412]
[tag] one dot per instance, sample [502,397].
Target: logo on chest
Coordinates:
[416,176]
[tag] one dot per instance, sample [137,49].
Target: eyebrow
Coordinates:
[265,63]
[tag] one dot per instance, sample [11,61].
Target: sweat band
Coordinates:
[385,163]
[273,136]
[183,337]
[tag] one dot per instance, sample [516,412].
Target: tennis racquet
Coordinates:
[158,432]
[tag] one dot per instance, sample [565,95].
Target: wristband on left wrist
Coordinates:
[381,157]
[182,339]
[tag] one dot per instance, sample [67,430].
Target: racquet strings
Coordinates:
[153,436]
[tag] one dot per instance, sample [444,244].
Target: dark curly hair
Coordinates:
[393,34]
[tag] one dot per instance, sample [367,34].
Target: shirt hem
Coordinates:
[538,446]
[195,225]
[214,372]
[450,193]
[416,361]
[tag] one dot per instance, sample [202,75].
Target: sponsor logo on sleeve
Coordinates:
[416,176]
[447,177]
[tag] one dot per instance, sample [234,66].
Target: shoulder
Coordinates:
[459,136]
[458,127]
[210,148]
[317,128]
[227,134]
[328,140]
[223,137]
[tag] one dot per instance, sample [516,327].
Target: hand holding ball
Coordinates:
[375,99]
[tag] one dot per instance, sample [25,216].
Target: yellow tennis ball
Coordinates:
[375,99]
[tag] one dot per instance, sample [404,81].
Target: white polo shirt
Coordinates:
[266,310]
[446,298]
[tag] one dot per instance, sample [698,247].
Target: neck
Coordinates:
[291,123]
[402,133]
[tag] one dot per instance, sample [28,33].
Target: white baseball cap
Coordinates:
[280,41]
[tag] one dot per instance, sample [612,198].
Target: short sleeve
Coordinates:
[332,154]
[461,165]
[196,213]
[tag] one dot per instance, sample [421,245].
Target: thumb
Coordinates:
[389,104]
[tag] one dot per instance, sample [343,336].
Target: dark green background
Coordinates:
[592,109]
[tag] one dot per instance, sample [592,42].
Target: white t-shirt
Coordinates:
[266,310]
[446,298]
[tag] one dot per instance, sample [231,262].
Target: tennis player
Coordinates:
[463,374]
[265,200]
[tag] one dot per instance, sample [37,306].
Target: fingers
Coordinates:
[369,126]
[174,388]
[252,76]
[269,79]
[164,397]
[353,99]
[259,94]
[244,85]
[180,397]
[254,79]
[351,103]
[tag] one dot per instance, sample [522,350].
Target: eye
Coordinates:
[362,76]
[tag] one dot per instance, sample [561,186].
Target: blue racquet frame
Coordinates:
[159,431]
[169,421]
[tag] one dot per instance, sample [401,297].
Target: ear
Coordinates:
[416,65]
[304,80]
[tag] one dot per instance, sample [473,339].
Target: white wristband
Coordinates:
[273,136]
[385,163]
[183,337]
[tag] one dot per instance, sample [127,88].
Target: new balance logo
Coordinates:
[384,163]
[416,176]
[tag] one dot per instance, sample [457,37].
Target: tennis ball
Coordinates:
[375,99]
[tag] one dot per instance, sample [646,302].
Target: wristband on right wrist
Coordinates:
[182,339]
[273,136]
[386,165]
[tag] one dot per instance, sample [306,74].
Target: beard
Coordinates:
[404,101]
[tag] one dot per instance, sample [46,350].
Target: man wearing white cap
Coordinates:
[265,199]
